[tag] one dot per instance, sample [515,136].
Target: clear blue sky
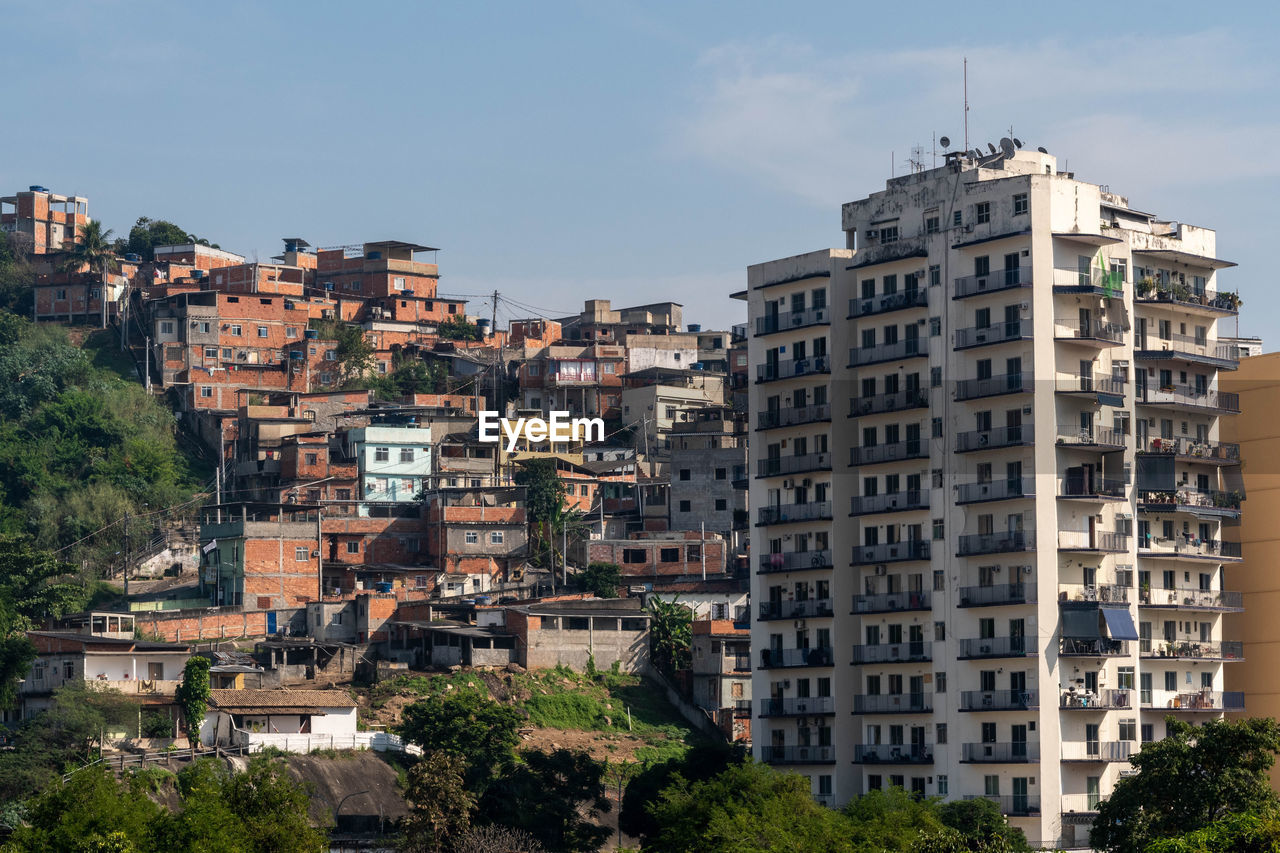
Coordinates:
[633,151]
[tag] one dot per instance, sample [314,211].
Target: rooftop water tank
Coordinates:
[695,327]
[311,334]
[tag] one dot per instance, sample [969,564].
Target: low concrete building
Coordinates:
[709,471]
[571,633]
[296,720]
[721,674]
[652,555]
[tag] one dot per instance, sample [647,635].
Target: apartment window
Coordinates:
[166,327]
[722,473]
[211,352]
[382,454]
[939,576]
[889,234]
[236,330]
[326,378]
[943,786]
[956,219]
[331,355]
[685,506]
[874,782]
[671,410]
[1148,732]
[398,283]
[226,353]
[61,293]
[939,631]
[685,474]
[940,682]
[935,327]
[669,555]
[353,546]
[471,537]
[940,733]
[1020,205]
[497,537]
[633,555]
[1128,729]
[344,494]
[290,331]
[312,458]
[935,275]
[406,454]
[262,331]
[931,225]
[935,377]
[982,211]
[937,427]
[300,555]
[721,504]
[206,391]
[608,367]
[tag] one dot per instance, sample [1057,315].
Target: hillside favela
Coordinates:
[659,438]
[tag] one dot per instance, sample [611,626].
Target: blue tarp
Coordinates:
[1119,624]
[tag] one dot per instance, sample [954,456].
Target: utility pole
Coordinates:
[564,551]
[126,553]
[703,550]
[146,364]
[319,554]
[222,455]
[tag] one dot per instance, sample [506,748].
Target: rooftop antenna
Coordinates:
[1007,150]
[966,103]
[917,159]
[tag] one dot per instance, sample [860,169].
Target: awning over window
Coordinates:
[1119,623]
[1081,624]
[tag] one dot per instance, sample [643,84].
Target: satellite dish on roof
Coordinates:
[1017,142]
[977,153]
[1042,150]
[946,141]
[991,147]
[1006,147]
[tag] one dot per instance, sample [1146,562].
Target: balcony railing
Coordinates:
[888,302]
[1095,489]
[795,707]
[1017,752]
[893,653]
[1080,808]
[1015,805]
[1200,700]
[891,602]
[794,561]
[1093,750]
[1187,347]
[894,703]
[996,594]
[780,465]
[892,502]
[1189,547]
[1009,436]
[1228,650]
[909,348]
[996,543]
[1105,438]
[997,280]
[793,416]
[1103,593]
[1093,331]
[1189,397]
[812,607]
[895,552]
[898,401]
[995,647]
[798,754]
[999,700]
[1192,449]
[1102,541]
[996,490]
[795,367]
[1094,647]
[994,386]
[787,320]
[780,658]
[901,753]
[1191,599]
[1212,299]
[1103,700]
[1075,383]
[895,452]
[1187,498]
[1096,281]
[788,513]
[995,333]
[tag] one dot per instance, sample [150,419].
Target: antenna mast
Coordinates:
[966,103]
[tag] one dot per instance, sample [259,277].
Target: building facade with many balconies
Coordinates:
[995,480]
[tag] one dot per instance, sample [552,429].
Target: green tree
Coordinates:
[1237,833]
[1194,777]
[354,353]
[440,806]
[193,693]
[982,827]
[146,234]
[555,797]
[93,250]
[545,504]
[92,811]
[456,328]
[891,820]
[467,725]
[601,579]
[701,762]
[670,635]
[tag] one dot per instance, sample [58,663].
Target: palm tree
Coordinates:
[93,249]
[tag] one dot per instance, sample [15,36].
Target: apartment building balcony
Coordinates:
[741,663]
[996,647]
[1017,752]
[893,502]
[1094,490]
[915,652]
[781,465]
[1210,302]
[1200,502]
[807,608]
[891,602]
[1102,700]
[996,595]
[793,513]
[898,451]
[992,333]
[893,703]
[1190,399]
[885,303]
[995,386]
[571,380]
[798,707]
[787,658]
[996,490]
[798,754]
[896,401]
[1014,805]
[793,368]
[1092,647]
[1095,751]
[1187,348]
[1108,390]
[891,552]
[974,544]
[1100,593]
[1191,701]
[1211,600]
[1092,542]
[881,353]
[990,439]
[1104,439]
[1075,282]
[1093,333]
[1189,547]
[993,282]
[793,416]
[999,700]
[1079,809]
[794,561]
[1227,651]
[787,320]
[899,753]
[1186,449]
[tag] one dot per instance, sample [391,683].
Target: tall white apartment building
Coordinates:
[988,492]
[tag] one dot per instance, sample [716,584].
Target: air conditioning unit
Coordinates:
[882,570]
[315,553]
[788,484]
[1026,570]
[1025,306]
[873,233]
[798,624]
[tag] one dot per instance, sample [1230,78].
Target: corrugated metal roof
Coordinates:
[279,700]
